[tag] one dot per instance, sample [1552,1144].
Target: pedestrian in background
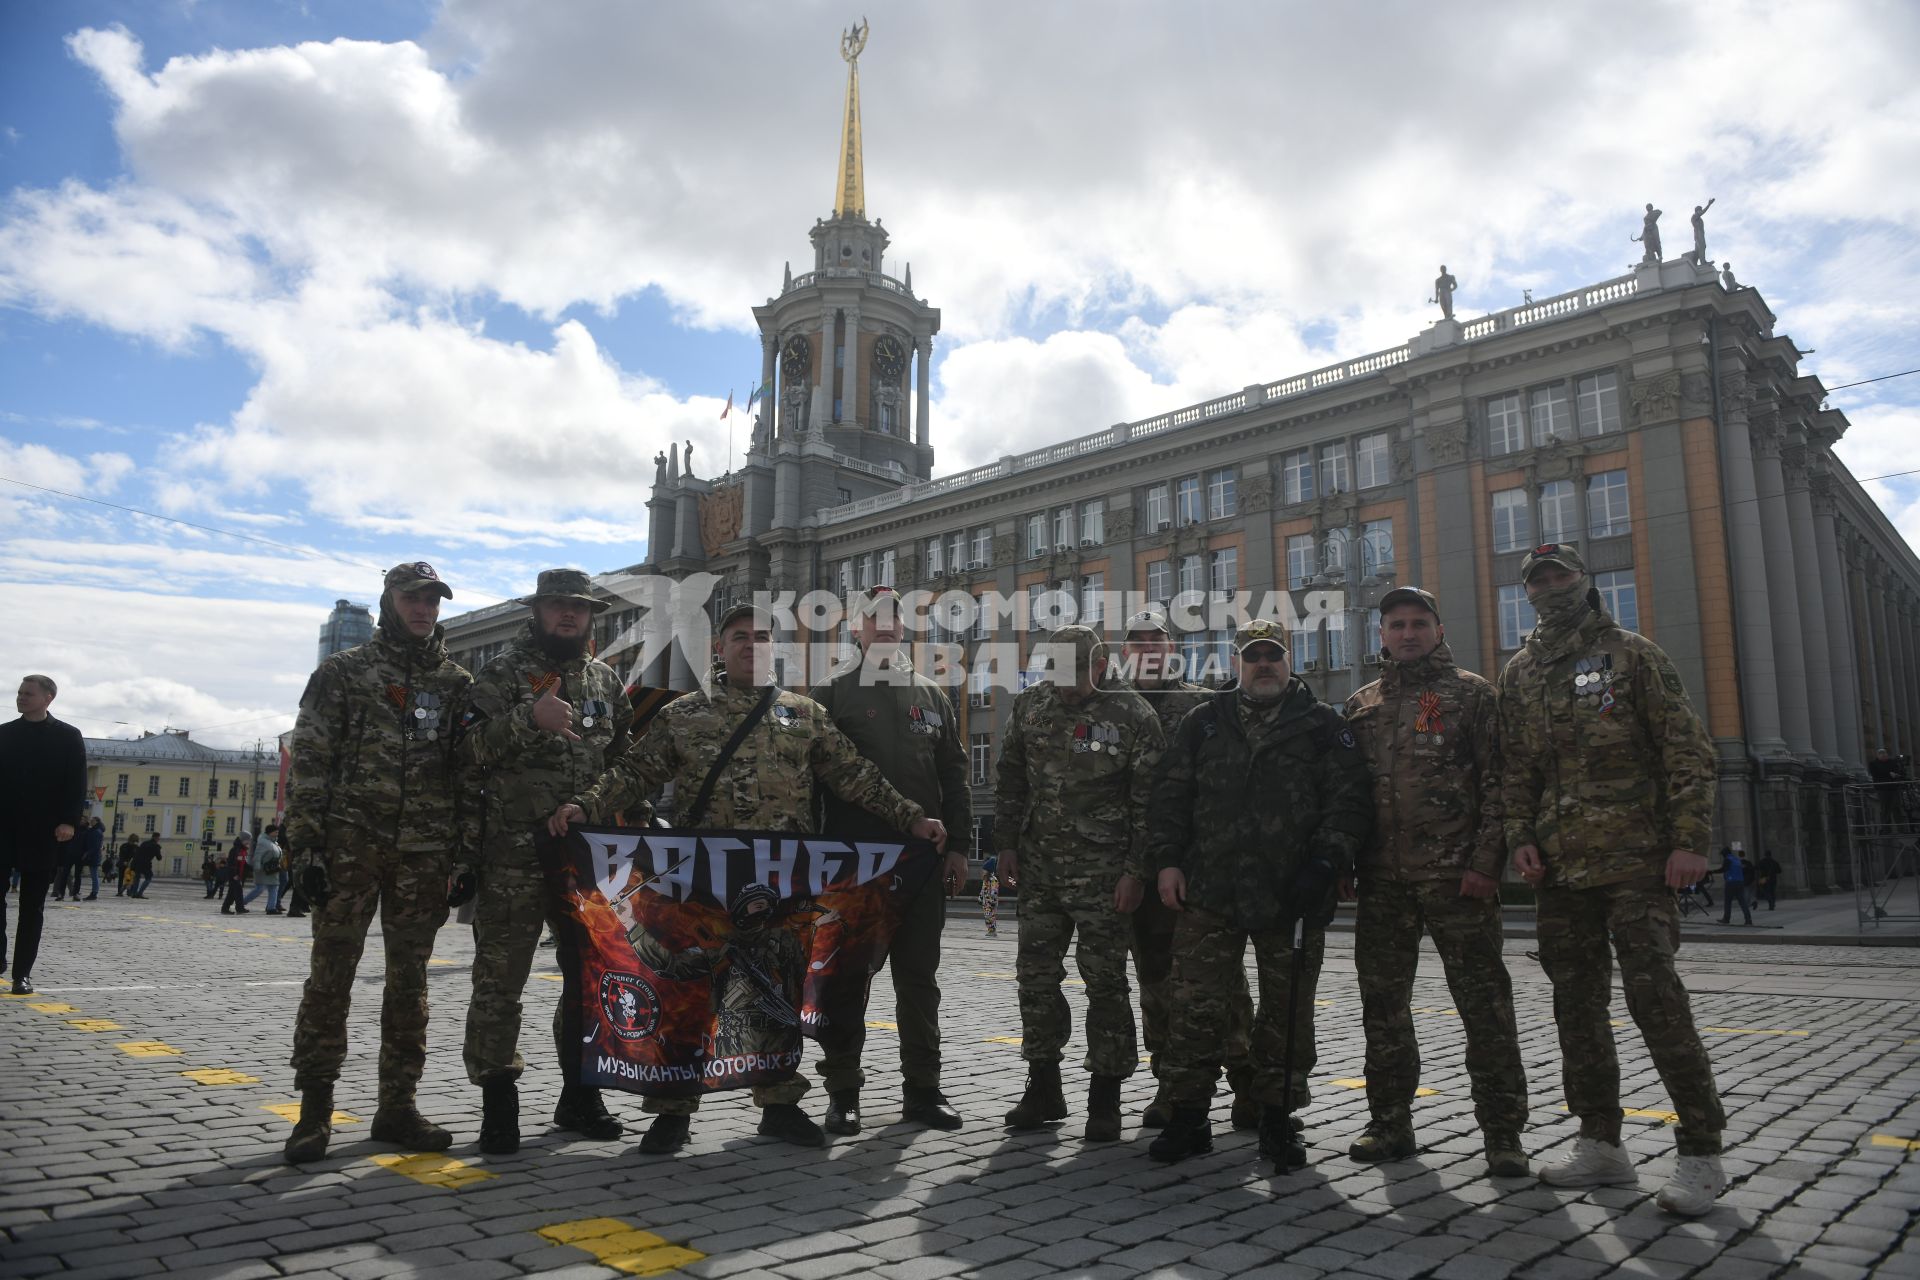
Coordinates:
[273,866]
[90,863]
[990,894]
[1733,872]
[1767,878]
[140,870]
[237,859]
[43,777]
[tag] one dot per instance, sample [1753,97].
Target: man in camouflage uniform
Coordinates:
[545,719]
[766,785]
[1070,810]
[372,808]
[1609,786]
[1149,659]
[1260,807]
[905,724]
[1429,733]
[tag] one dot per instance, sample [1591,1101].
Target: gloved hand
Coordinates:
[461,887]
[1307,896]
[316,885]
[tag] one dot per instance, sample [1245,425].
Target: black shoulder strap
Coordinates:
[698,809]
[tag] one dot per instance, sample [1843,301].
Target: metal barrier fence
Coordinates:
[1883,828]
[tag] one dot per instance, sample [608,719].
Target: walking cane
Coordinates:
[1286,1058]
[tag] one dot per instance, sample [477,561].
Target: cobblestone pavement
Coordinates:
[144,1097]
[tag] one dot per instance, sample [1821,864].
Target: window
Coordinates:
[1618,595]
[845,576]
[1557,520]
[1337,655]
[259,791]
[982,624]
[1093,521]
[1160,581]
[1372,459]
[1607,505]
[1516,615]
[230,822]
[1193,653]
[1036,535]
[980,757]
[276,790]
[1034,608]
[1224,572]
[213,789]
[1506,425]
[120,787]
[1187,499]
[149,826]
[153,784]
[1190,574]
[846,495]
[1090,588]
[956,552]
[1221,499]
[1334,476]
[186,787]
[1305,647]
[1296,476]
[1300,565]
[980,686]
[1158,512]
[1552,415]
[233,788]
[119,822]
[1512,520]
[1376,547]
[1373,631]
[982,545]
[935,563]
[179,824]
[863,572]
[1598,398]
[886,569]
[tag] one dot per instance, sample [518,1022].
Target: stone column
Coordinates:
[1840,652]
[1883,659]
[823,389]
[923,360]
[1873,726]
[1783,596]
[1899,672]
[1909,622]
[1758,673]
[1810,605]
[770,398]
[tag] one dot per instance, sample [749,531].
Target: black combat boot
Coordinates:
[500,1117]
[1103,1109]
[666,1135]
[925,1104]
[1246,1100]
[308,1141]
[1280,1141]
[581,1110]
[1188,1133]
[1388,1137]
[1043,1100]
[399,1121]
[843,1111]
[787,1122]
[1159,1112]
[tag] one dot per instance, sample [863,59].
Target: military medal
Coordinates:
[1427,724]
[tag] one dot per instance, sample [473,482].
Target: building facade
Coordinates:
[348,625]
[191,796]
[1659,420]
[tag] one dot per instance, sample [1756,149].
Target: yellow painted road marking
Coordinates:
[290,1112]
[438,960]
[270,937]
[883,1026]
[550,977]
[95,1024]
[54,1006]
[621,1246]
[8,995]
[1754,1031]
[994,975]
[1902,1144]
[1665,1117]
[434,1170]
[148,1049]
[1001,1040]
[1420,1092]
[220,1075]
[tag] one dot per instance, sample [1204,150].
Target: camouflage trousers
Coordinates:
[1048,922]
[1153,926]
[1644,924]
[1386,951]
[410,892]
[914,958]
[1206,950]
[512,908]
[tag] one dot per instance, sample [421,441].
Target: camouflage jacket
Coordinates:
[1171,702]
[1242,801]
[767,785]
[528,772]
[1606,767]
[372,749]
[1429,732]
[906,725]
[1073,781]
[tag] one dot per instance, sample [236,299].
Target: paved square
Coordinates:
[144,1097]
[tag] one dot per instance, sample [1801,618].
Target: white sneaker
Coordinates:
[1593,1164]
[1697,1182]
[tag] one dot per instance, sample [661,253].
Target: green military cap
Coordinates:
[1086,643]
[861,603]
[568,584]
[1552,553]
[417,575]
[1260,631]
[762,620]
[1148,620]
[1411,595]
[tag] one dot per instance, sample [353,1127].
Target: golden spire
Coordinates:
[850,193]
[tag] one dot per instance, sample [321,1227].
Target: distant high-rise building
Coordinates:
[348,625]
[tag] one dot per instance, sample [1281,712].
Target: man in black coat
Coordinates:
[43,783]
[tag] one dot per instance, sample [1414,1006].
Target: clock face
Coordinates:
[889,359]
[796,362]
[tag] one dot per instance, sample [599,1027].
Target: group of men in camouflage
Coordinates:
[1148,816]
[1250,811]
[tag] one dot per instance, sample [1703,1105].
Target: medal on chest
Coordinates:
[422,719]
[923,720]
[1593,684]
[1428,727]
[594,710]
[784,717]
[1095,738]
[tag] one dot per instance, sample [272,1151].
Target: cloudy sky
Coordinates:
[337,283]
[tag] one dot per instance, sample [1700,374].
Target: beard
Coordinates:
[560,648]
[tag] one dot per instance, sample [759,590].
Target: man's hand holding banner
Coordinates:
[702,958]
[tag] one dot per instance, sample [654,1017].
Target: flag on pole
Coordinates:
[729,409]
[763,391]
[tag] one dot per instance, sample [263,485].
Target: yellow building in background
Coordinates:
[191,796]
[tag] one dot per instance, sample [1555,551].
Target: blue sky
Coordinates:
[367,282]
